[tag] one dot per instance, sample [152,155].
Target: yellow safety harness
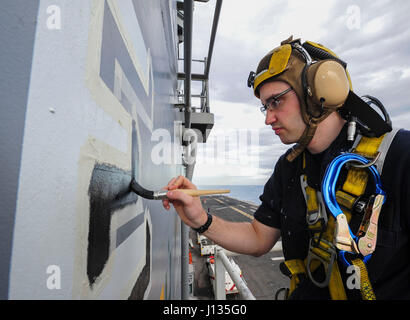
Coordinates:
[322,249]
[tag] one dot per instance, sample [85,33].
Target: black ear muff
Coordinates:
[327,83]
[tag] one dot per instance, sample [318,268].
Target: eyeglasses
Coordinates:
[274,102]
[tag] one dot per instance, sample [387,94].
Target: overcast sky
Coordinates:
[372,36]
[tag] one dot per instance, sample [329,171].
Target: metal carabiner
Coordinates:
[346,241]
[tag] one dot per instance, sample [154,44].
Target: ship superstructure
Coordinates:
[91,100]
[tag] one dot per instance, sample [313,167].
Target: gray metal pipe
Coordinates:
[194,76]
[240,284]
[205,76]
[188,13]
[187,76]
[184,261]
[213,34]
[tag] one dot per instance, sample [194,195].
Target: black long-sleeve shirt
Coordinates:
[283,206]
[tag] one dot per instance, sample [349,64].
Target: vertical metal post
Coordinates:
[220,293]
[207,96]
[188,13]
[213,34]
[184,261]
[205,91]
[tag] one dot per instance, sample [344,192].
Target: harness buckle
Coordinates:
[324,252]
[319,213]
[343,238]
[367,243]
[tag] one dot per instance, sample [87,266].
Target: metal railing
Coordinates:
[187,76]
[222,263]
[203,95]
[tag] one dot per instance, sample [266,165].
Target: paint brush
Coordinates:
[162,194]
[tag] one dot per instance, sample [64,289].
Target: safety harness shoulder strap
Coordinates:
[321,248]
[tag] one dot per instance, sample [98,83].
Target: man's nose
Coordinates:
[270,117]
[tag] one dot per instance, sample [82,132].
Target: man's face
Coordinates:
[285,119]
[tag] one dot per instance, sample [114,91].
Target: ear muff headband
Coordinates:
[320,52]
[308,61]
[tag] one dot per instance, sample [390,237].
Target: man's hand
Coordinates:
[243,237]
[189,208]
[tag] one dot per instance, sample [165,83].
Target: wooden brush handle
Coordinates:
[197,193]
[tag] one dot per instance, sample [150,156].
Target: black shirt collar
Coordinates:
[316,164]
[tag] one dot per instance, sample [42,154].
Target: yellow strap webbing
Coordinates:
[366,288]
[353,187]
[295,267]
[368,146]
[336,287]
[356,181]
[344,199]
[312,199]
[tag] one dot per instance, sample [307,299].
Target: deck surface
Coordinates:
[262,274]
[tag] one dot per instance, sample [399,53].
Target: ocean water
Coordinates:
[241,192]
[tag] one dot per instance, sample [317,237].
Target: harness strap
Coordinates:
[295,270]
[384,147]
[336,287]
[366,289]
[352,189]
[356,182]
[367,147]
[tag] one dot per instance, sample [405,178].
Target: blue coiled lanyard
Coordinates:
[329,197]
